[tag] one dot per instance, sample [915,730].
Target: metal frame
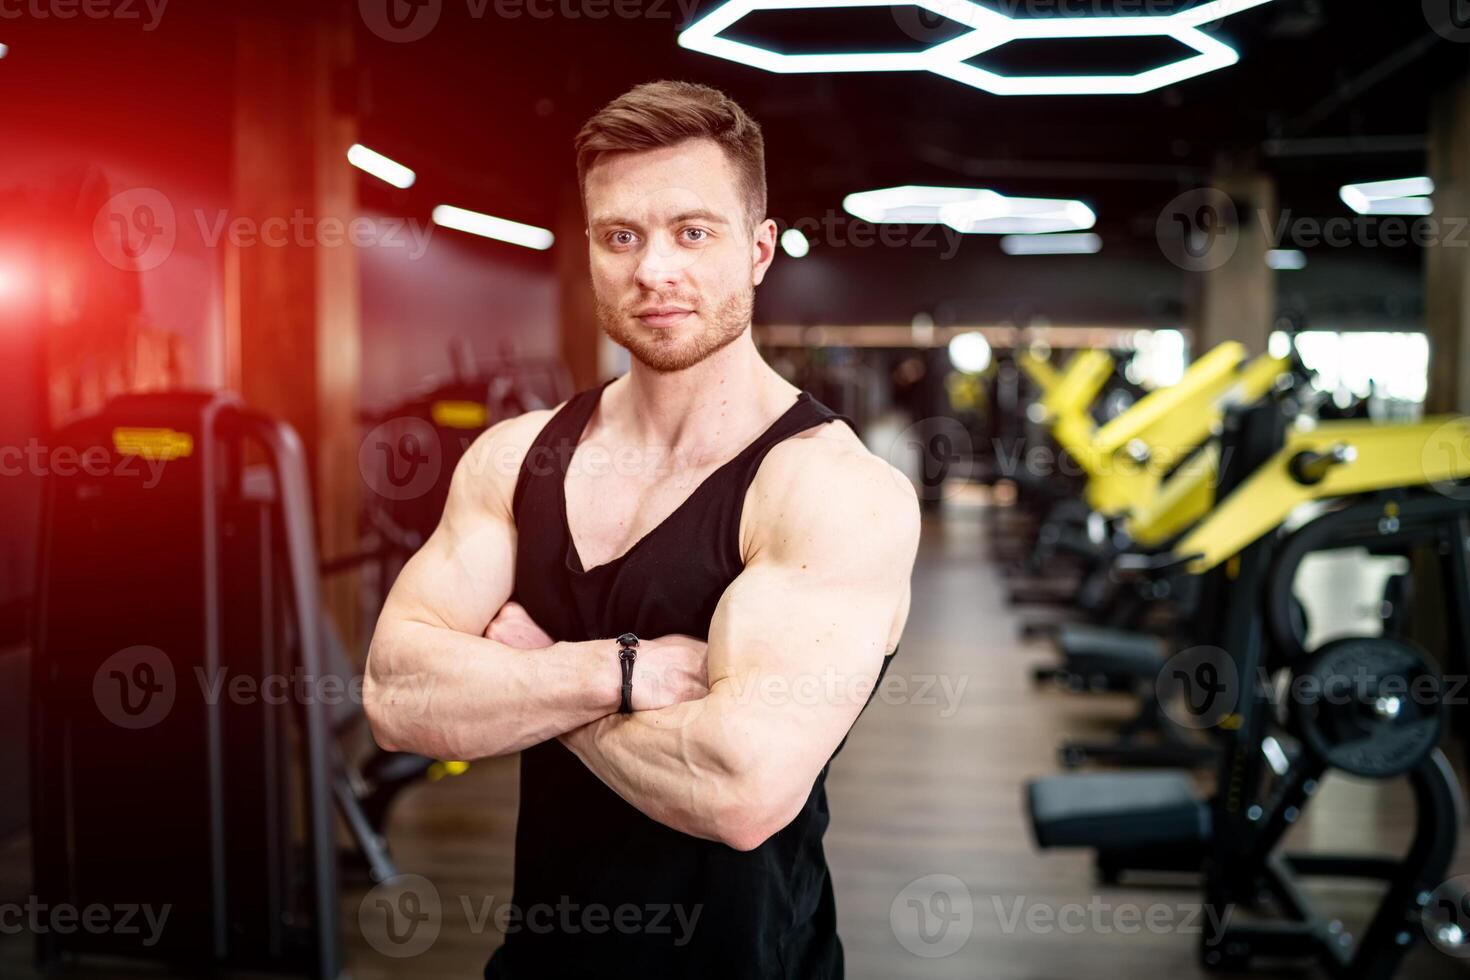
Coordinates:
[315,949]
[1248,829]
[287,458]
[1240,856]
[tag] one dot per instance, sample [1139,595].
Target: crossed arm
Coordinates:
[727,739]
[795,646]
[434,683]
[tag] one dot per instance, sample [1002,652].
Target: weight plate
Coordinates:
[1369,706]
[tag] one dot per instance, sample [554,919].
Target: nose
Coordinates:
[659,265]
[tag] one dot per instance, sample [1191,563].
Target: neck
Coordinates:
[722,400]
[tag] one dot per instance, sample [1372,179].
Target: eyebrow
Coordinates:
[698,214]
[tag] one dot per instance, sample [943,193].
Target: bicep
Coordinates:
[798,639]
[792,658]
[465,572]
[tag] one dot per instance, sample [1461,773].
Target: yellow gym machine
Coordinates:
[1369,706]
[1331,460]
[1127,459]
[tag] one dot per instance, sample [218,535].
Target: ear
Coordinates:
[763,250]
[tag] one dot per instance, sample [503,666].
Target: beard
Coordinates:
[672,350]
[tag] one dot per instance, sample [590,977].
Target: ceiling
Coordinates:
[485,107]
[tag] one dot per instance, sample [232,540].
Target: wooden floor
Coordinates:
[932,787]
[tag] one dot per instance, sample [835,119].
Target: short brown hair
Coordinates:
[657,114]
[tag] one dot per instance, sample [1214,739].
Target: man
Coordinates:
[759,557]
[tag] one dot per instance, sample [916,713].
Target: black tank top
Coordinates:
[621,894]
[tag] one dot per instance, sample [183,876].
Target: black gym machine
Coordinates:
[1368,706]
[192,711]
[1182,609]
[182,565]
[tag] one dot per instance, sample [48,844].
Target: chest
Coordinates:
[614,501]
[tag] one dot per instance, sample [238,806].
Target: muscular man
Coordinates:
[760,556]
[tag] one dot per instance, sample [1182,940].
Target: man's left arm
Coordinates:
[795,646]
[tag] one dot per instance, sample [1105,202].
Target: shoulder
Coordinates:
[517,433]
[829,456]
[824,489]
[489,469]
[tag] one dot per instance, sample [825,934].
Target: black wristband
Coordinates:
[627,654]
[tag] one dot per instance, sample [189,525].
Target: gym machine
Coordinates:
[1258,494]
[1100,658]
[1127,458]
[1182,495]
[1137,458]
[1369,706]
[191,707]
[1056,393]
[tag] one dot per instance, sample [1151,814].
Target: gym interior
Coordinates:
[1160,308]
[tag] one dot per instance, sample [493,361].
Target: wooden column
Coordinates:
[295,345]
[1446,321]
[1447,260]
[1237,301]
[580,334]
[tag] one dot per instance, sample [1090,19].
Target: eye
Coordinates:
[701,233]
[621,237]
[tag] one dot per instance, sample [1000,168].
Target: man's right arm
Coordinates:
[436,685]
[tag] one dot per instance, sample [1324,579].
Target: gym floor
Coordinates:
[931,786]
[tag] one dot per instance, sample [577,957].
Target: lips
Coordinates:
[664,316]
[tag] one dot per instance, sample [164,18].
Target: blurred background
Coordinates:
[361,219]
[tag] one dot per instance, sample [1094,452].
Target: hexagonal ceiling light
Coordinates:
[987,29]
